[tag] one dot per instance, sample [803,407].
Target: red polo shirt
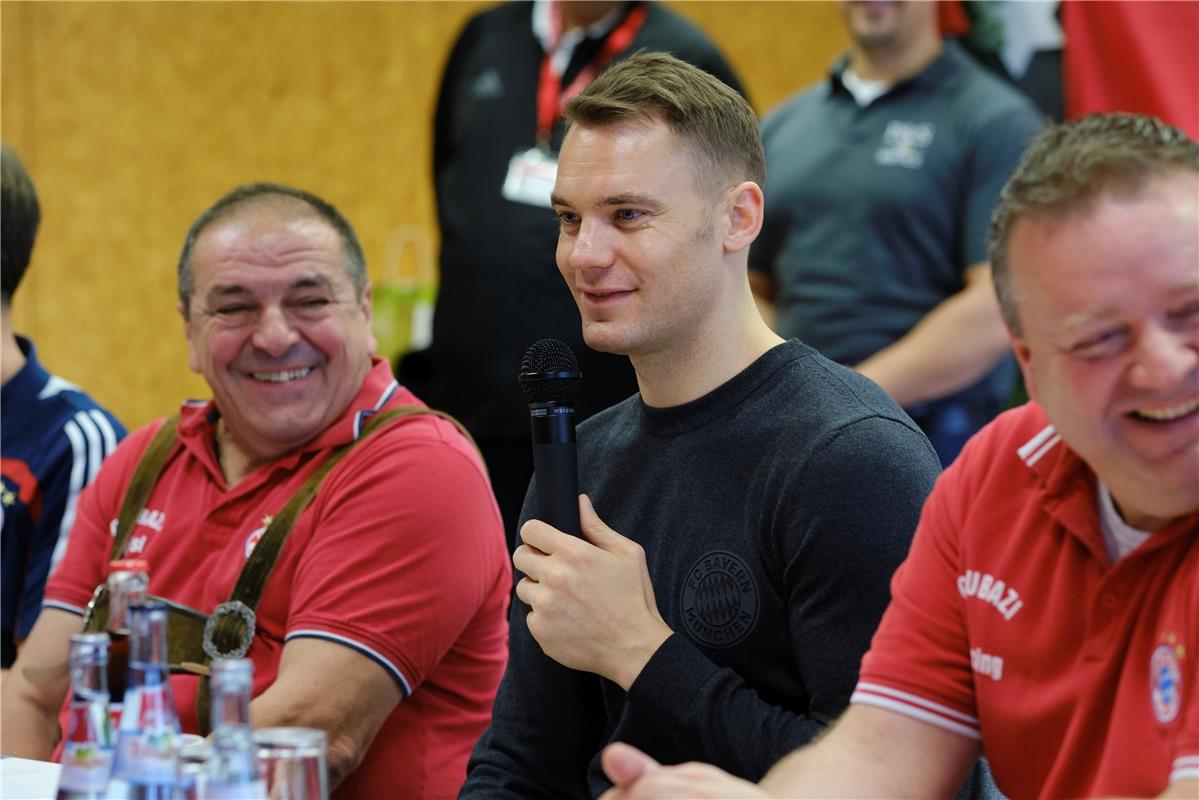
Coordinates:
[401,557]
[1009,623]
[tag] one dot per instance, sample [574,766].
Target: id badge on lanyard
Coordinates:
[530,178]
[532,172]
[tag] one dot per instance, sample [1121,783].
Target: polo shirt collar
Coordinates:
[1069,488]
[939,71]
[198,420]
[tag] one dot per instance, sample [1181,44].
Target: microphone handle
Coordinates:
[556,466]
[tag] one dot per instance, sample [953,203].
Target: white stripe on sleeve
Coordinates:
[110,436]
[367,651]
[910,705]
[79,478]
[1186,768]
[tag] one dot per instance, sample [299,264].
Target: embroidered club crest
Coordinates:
[256,534]
[1165,680]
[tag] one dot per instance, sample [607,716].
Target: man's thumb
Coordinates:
[624,765]
[595,530]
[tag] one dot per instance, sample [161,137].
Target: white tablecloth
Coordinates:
[23,779]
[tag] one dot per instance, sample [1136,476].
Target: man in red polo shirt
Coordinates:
[383,619]
[1048,611]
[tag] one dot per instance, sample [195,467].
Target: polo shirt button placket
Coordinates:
[1102,618]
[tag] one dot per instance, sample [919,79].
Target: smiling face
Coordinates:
[274,326]
[639,242]
[1108,298]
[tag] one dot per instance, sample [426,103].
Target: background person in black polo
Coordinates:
[882,181]
[499,292]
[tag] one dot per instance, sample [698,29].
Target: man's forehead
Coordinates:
[268,227]
[610,159]
[1150,227]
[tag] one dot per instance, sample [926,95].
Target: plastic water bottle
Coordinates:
[148,739]
[87,749]
[233,764]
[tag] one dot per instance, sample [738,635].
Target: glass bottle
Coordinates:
[148,739]
[87,748]
[128,580]
[233,763]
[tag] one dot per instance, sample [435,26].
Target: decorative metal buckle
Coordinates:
[231,607]
[99,600]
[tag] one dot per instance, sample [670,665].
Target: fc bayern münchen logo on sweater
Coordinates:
[719,600]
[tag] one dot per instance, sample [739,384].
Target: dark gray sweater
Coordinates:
[772,511]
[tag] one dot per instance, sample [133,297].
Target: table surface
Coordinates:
[24,779]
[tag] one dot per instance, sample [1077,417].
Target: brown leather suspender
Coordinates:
[230,628]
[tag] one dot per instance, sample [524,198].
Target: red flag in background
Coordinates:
[1133,55]
[952,19]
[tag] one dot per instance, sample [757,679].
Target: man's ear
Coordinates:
[193,363]
[372,342]
[745,208]
[1023,358]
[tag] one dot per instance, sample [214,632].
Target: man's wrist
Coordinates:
[634,659]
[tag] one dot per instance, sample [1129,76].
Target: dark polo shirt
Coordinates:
[873,214]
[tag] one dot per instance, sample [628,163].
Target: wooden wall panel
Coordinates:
[777,48]
[133,117]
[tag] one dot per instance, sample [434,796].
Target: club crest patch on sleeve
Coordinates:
[719,600]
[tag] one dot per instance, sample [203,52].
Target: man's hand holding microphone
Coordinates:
[592,602]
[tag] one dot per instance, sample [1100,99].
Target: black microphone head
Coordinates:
[549,373]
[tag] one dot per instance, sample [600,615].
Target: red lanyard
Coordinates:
[552,98]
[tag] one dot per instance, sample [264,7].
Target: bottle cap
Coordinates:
[128,565]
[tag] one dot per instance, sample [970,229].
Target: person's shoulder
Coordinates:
[1016,432]
[501,20]
[65,411]
[120,463]
[501,15]
[433,433]
[670,29]
[796,105]
[818,412]
[139,439]
[1007,452]
[982,96]
[832,394]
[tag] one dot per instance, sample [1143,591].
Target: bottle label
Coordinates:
[146,756]
[250,790]
[85,767]
[149,736]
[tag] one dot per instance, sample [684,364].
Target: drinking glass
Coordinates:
[292,761]
[192,766]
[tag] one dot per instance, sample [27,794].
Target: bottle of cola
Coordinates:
[233,765]
[148,739]
[128,580]
[87,748]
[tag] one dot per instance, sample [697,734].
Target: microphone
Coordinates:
[549,378]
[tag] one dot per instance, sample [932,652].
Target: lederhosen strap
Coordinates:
[230,628]
[145,475]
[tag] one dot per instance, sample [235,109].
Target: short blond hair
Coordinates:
[715,121]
